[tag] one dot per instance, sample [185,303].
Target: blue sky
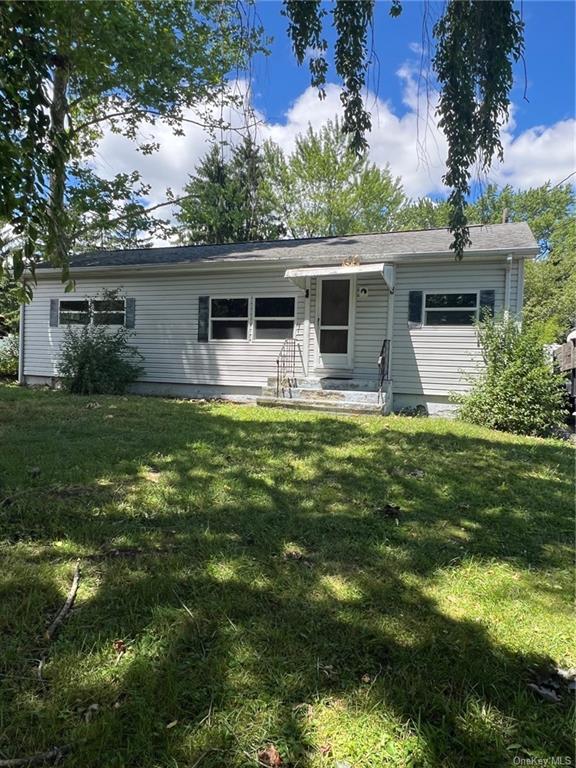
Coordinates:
[550,60]
[539,140]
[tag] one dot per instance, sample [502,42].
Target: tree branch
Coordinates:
[64,611]
[51,755]
[153,113]
[144,212]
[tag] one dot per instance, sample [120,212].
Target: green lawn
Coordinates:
[264,594]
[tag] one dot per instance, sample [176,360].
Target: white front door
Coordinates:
[335,305]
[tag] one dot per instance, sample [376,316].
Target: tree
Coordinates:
[228,200]
[206,215]
[68,69]
[425,213]
[254,215]
[109,213]
[550,284]
[550,280]
[325,188]
[476,45]
[124,63]
[517,391]
[9,306]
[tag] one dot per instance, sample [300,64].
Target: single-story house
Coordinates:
[373,322]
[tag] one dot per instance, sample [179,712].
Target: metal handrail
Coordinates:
[286,366]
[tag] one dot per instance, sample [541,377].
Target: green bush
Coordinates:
[97,361]
[9,356]
[518,391]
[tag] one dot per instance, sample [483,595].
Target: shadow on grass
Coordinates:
[273,601]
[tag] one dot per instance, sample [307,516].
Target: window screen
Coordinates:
[229,319]
[108,311]
[274,317]
[74,312]
[451,309]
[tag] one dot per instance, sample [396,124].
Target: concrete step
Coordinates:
[324,395]
[331,383]
[323,406]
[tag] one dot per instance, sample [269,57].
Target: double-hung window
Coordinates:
[450,308]
[96,311]
[260,318]
[108,311]
[229,319]
[74,312]
[274,317]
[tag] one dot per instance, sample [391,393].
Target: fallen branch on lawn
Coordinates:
[131,552]
[40,667]
[41,757]
[65,610]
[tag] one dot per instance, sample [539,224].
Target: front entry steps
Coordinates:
[329,395]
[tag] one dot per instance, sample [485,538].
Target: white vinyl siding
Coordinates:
[428,360]
[439,360]
[166,329]
[514,277]
[370,324]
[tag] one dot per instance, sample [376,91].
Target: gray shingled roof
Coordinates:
[493,237]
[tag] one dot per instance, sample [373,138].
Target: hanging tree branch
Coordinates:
[477,44]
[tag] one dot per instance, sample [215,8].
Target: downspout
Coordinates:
[520,292]
[21,346]
[507,286]
[390,334]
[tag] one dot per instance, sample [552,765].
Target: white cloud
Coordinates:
[176,158]
[537,155]
[409,142]
[393,140]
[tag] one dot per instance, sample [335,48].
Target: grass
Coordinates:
[245,558]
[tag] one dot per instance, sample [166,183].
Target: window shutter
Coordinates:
[130,321]
[486,304]
[203,317]
[53,313]
[415,307]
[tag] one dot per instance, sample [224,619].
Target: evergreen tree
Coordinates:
[253,205]
[424,213]
[206,216]
[229,200]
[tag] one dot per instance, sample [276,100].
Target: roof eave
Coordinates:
[204,265]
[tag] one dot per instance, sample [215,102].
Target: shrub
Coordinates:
[518,391]
[9,356]
[97,361]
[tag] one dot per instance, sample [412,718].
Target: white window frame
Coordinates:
[101,312]
[90,302]
[251,318]
[216,319]
[253,338]
[449,309]
[87,301]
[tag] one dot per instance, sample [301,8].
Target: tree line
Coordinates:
[71,70]
[324,188]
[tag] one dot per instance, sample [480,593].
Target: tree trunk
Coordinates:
[57,241]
